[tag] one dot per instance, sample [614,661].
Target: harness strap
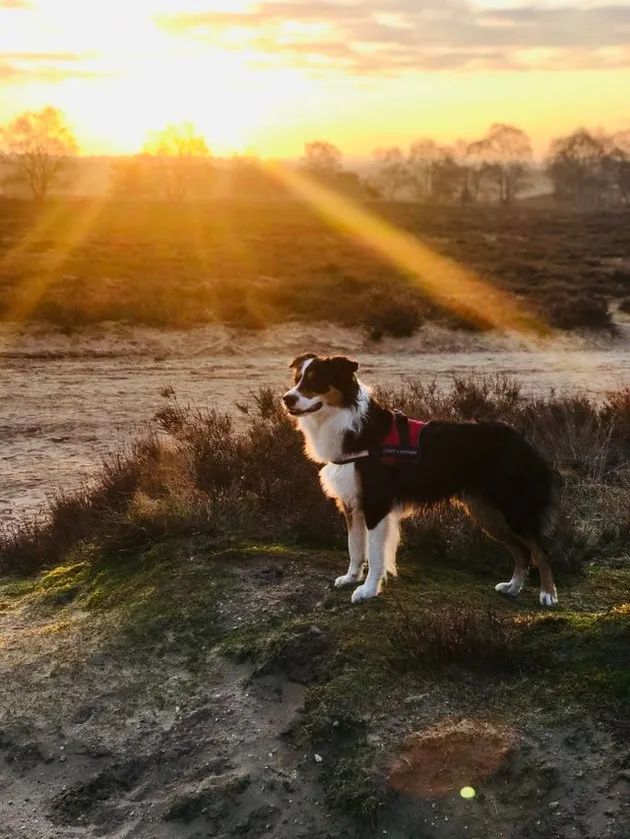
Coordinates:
[402,425]
[352,458]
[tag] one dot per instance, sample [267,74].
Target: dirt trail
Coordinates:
[65,401]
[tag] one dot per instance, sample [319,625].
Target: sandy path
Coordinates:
[67,401]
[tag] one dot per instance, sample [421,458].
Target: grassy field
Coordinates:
[174,629]
[81,262]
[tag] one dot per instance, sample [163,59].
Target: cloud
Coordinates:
[387,36]
[43,66]
[42,56]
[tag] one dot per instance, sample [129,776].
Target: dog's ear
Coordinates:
[299,361]
[343,366]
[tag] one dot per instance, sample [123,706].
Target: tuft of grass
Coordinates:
[351,782]
[479,640]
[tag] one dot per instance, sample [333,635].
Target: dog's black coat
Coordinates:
[489,461]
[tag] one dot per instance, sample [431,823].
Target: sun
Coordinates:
[140,78]
[230,100]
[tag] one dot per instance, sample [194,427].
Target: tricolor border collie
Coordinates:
[379,466]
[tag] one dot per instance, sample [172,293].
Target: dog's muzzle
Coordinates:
[290,401]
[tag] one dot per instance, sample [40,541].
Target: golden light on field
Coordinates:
[68,229]
[449,283]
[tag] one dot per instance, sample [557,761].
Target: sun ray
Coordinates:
[450,284]
[29,292]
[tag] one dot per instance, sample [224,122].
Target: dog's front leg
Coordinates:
[377,539]
[357,541]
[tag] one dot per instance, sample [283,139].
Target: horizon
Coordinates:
[265,78]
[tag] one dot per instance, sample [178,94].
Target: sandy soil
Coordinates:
[67,400]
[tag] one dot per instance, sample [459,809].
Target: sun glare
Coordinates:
[139,78]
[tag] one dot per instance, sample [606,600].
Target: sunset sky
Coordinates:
[268,76]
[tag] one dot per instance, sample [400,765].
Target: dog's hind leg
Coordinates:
[521,557]
[492,522]
[548,593]
[382,545]
[357,544]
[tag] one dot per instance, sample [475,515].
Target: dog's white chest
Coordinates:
[341,482]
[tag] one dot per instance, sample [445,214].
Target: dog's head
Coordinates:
[321,384]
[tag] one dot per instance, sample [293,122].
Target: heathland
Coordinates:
[252,264]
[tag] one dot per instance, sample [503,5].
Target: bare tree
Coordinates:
[425,156]
[450,178]
[619,162]
[178,160]
[577,168]
[392,172]
[37,145]
[473,159]
[132,177]
[503,157]
[321,159]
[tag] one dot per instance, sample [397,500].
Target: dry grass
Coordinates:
[462,636]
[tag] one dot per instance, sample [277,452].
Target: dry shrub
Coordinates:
[95,510]
[569,310]
[202,475]
[261,474]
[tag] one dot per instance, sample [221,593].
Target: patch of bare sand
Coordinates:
[450,755]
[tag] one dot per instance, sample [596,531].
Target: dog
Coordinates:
[376,477]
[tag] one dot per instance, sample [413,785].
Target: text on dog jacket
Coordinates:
[402,442]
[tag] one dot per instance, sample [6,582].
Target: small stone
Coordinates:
[553,805]
[318,758]
[625,774]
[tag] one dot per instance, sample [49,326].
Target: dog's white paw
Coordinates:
[346,580]
[363,592]
[548,598]
[509,588]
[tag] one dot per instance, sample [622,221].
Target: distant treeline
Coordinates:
[584,169]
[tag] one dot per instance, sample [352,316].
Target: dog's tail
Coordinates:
[552,515]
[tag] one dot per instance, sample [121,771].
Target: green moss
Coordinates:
[351,781]
[64,583]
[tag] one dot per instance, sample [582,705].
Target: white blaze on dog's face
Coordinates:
[321,384]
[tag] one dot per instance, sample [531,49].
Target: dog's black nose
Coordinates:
[289,399]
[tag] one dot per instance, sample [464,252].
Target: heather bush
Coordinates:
[199,471]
